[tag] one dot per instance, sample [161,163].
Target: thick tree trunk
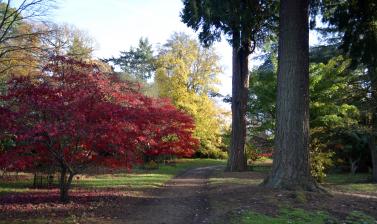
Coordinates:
[240,88]
[373,135]
[65,184]
[291,168]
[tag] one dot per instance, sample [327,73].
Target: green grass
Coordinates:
[20,185]
[300,216]
[359,182]
[292,216]
[138,178]
[261,168]
[262,165]
[238,181]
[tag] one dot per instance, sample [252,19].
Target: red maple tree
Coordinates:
[72,116]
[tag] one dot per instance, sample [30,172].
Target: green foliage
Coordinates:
[262,97]
[137,65]
[137,62]
[211,153]
[251,152]
[352,147]
[333,92]
[187,74]
[252,20]
[356,23]
[336,94]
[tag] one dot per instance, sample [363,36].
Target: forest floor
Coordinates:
[204,194]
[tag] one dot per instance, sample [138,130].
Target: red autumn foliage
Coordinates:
[71,116]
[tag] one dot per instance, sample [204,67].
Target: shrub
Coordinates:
[211,154]
[319,161]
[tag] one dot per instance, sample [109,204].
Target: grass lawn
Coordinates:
[140,178]
[357,183]
[137,178]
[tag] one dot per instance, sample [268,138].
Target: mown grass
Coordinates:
[238,181]
[140,178]
[300,216]
[137,178]
[359,183]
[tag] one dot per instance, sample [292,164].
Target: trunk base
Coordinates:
[301,184]
[236,165]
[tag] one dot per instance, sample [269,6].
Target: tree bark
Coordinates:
[373,150]
[65,184]
[373,135]
[291,168]
[240,88]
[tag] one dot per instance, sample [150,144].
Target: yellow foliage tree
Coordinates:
[188,74]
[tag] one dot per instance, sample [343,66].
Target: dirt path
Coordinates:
[184,199]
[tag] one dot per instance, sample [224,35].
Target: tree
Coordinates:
[137,62]
[291,168]
[73,117]
[187,74]
[81,46]
[355,22]
[18,35]
[66,40]
[336,98]
[24,58]
[246,24]
[137,65]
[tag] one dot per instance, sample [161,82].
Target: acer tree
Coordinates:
[71,117]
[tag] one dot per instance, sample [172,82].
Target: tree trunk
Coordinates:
[354,165]
[372,139]
[35,180]
[65,184]
[291,168]
[240,89]
[373,150]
